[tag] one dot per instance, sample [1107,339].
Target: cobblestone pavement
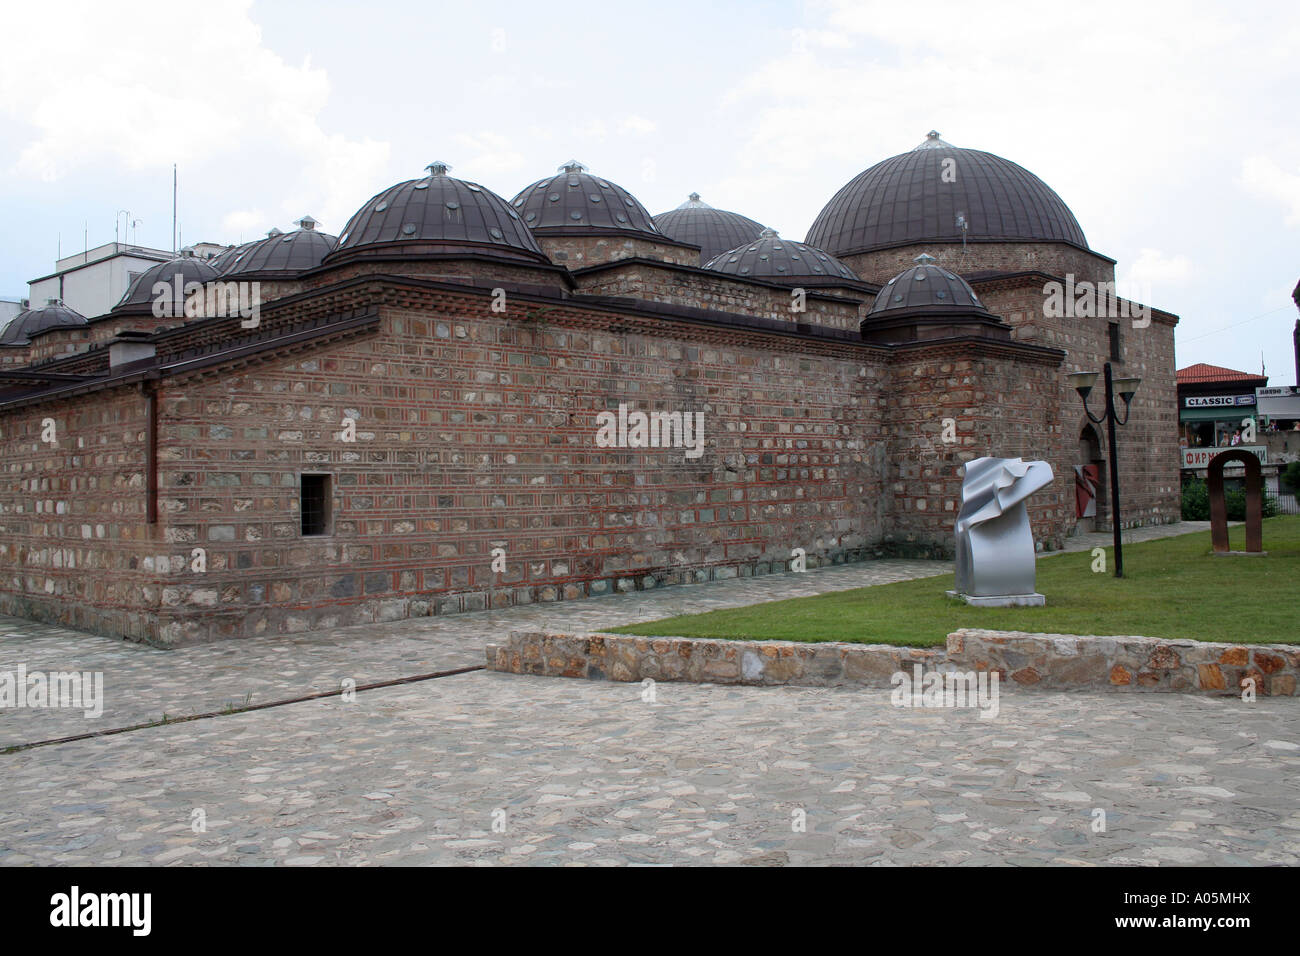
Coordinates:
[581,772]
[141,684]
[590,773]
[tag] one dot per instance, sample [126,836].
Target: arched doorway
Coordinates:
[1090,481]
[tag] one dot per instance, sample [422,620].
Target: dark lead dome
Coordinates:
[140,295]
[30,322]
[715,231]
[223,260]
[925,289]
[775,259]
[440,211]
[279,254]
[919,196]
[575,202]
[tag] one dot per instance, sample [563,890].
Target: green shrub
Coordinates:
[1196,502]
[1290,479]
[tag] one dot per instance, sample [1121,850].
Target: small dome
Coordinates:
[715,231]
[30,322]
[574,201]
[441,210]
[280,254]
[779,260]
[925,288]
[140,295]
[223,260]
[926,195]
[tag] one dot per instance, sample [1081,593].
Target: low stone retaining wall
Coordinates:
[1050,661]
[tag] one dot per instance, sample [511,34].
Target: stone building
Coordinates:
[412,422]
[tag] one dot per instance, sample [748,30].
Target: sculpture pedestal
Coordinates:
[1001,600]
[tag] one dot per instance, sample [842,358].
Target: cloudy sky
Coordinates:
[1169,128]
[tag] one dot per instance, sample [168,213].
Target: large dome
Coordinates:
[575,202]
[715,231]
[774,259]
[29,322]
[140,295]
[920,196]
[279,254]
[441,213]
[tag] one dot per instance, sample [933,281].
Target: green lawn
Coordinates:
[1172,588]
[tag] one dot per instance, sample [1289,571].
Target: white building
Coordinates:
[94,281]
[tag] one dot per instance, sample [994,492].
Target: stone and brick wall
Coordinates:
[1054,258]
[1148,444]
[477,431]
[575,252]
[702,290]
[993,394]
[75,548]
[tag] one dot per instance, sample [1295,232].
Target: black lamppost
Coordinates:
[1127,387]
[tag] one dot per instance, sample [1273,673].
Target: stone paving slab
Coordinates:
[590,773]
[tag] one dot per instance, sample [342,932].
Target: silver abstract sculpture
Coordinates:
[995,545]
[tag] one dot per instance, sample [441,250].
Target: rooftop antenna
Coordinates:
[174,230]
[963,226]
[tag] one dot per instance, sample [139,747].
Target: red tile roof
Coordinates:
[1200,373]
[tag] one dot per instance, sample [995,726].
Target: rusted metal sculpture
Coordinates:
[1254,501]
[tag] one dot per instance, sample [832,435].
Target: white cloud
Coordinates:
[246,223]
[638,125]
[204,92]
[1152,265]
[1104,106]
[492,154]
[1262,176]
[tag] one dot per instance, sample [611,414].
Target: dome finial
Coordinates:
[573,166]
[437,168]
[932,141]
[306,223]
[924,259]
[768,233]
[694,202]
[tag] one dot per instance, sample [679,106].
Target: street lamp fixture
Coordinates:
[1083,382]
